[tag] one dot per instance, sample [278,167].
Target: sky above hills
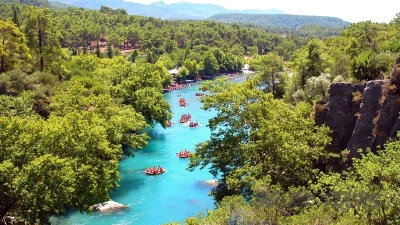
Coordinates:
[349,10]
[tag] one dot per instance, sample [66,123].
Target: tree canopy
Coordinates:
[254,135]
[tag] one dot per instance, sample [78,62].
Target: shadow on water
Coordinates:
[156,135]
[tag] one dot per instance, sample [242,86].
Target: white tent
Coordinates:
[174,71]
[246,67]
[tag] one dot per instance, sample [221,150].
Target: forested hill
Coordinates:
[38,3]
[280,20]
[179,10]
[318,26]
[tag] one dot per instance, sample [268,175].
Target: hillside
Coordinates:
[280,20]
[304,26]
[180,10]
[38,3]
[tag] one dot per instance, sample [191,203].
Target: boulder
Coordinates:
[108,206]
[212,183]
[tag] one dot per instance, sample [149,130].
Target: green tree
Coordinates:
[268,66]
[191,67]
[133,56]
[52,163]
[317,87]
[369,190]
[183,73]
[13,49]
[110,50]
[138,85]
[314,60]
[42,39]
[370,66]
[15,15]
[254,135]
[124,126]
[210,64]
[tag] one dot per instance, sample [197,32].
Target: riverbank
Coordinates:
[178,192]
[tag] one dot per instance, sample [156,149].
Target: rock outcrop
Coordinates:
[363,134]
[363,116]
[343,106]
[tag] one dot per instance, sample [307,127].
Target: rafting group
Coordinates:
[185,118]
[182,102]
[154,170]
[199,94]
[169,123]
[193,124]
[183,154]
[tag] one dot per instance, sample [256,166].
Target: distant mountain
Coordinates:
[258,11]
[180,10]
[280,20]
[59,5]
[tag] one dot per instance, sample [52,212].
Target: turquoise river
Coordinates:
[169,197]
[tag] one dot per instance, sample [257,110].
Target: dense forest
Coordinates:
[78,87]
[305,26]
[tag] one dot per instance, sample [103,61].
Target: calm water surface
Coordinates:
[169,197]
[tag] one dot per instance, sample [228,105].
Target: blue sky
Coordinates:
[349,10]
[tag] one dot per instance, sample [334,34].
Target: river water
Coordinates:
[169,197]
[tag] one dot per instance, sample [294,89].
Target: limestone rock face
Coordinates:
[370,111]
[108,206]
[363,116]
[343,106]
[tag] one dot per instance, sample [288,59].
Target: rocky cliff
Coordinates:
[363,116]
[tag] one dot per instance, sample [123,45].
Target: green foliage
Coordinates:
[13,49]
[133,56]
[317,87]
[127,32]
[38,3]
[16,106]
[122,123]
[368,193]
[370,190]
[110,52]
[268,67]
[54,163]
[314,60]
[15,82]
[210,64]
[254,135]
[370,66]
[42,39]
[191,66]
[392,45]
[306,26]
[108,10]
